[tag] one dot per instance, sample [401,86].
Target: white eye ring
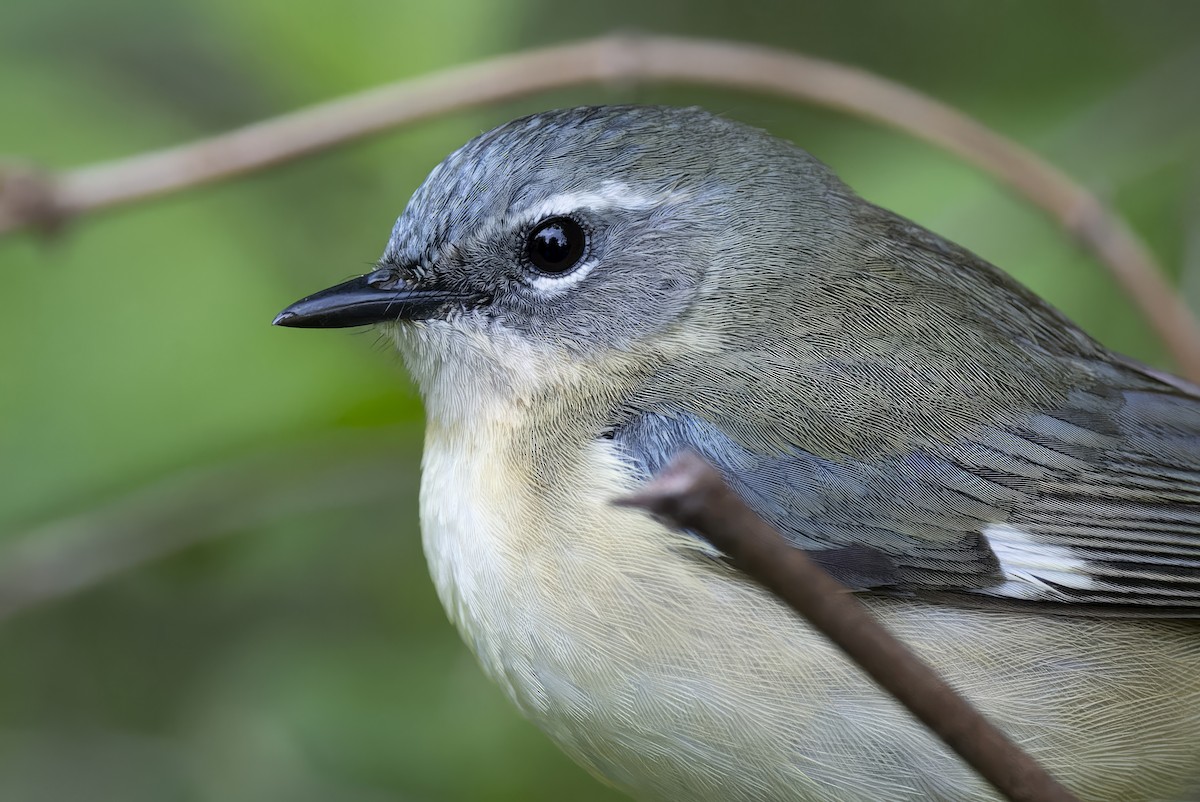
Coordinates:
[555,283]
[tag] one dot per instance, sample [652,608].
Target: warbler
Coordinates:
[581,294]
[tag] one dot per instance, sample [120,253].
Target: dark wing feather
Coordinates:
[1123,500]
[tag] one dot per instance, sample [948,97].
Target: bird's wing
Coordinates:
[824,505]
[1093,506]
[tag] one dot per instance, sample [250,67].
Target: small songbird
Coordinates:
[582,294]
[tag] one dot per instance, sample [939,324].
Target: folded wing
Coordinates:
[1093,507]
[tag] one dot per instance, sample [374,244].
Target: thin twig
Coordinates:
[70,555]
[691,495]
[625,60]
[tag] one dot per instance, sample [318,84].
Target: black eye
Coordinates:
[556,244]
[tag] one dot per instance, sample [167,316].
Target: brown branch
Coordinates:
[691,495]
[625,60]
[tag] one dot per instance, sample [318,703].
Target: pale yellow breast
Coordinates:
[674,678]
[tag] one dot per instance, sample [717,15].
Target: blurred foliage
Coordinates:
[277,637]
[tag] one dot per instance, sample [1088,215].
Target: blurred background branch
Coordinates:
[74,554]
[27,199]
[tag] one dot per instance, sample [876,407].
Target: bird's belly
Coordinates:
[674,678]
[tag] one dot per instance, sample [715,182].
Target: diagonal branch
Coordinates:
[690,494]
[29,199]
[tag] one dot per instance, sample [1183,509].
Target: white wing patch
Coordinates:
[1032,569]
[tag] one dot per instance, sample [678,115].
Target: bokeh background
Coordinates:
[211,583]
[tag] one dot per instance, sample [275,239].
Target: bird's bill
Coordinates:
[377,297]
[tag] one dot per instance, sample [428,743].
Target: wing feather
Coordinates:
[1095,505]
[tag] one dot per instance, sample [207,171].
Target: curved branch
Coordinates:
[29,200]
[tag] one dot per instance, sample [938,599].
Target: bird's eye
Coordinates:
[555,245]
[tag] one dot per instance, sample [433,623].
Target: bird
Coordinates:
[583,293]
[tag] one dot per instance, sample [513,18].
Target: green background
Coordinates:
[211,580]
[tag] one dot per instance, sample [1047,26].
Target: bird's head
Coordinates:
[588,245]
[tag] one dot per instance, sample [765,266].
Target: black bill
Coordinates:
[377,297]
